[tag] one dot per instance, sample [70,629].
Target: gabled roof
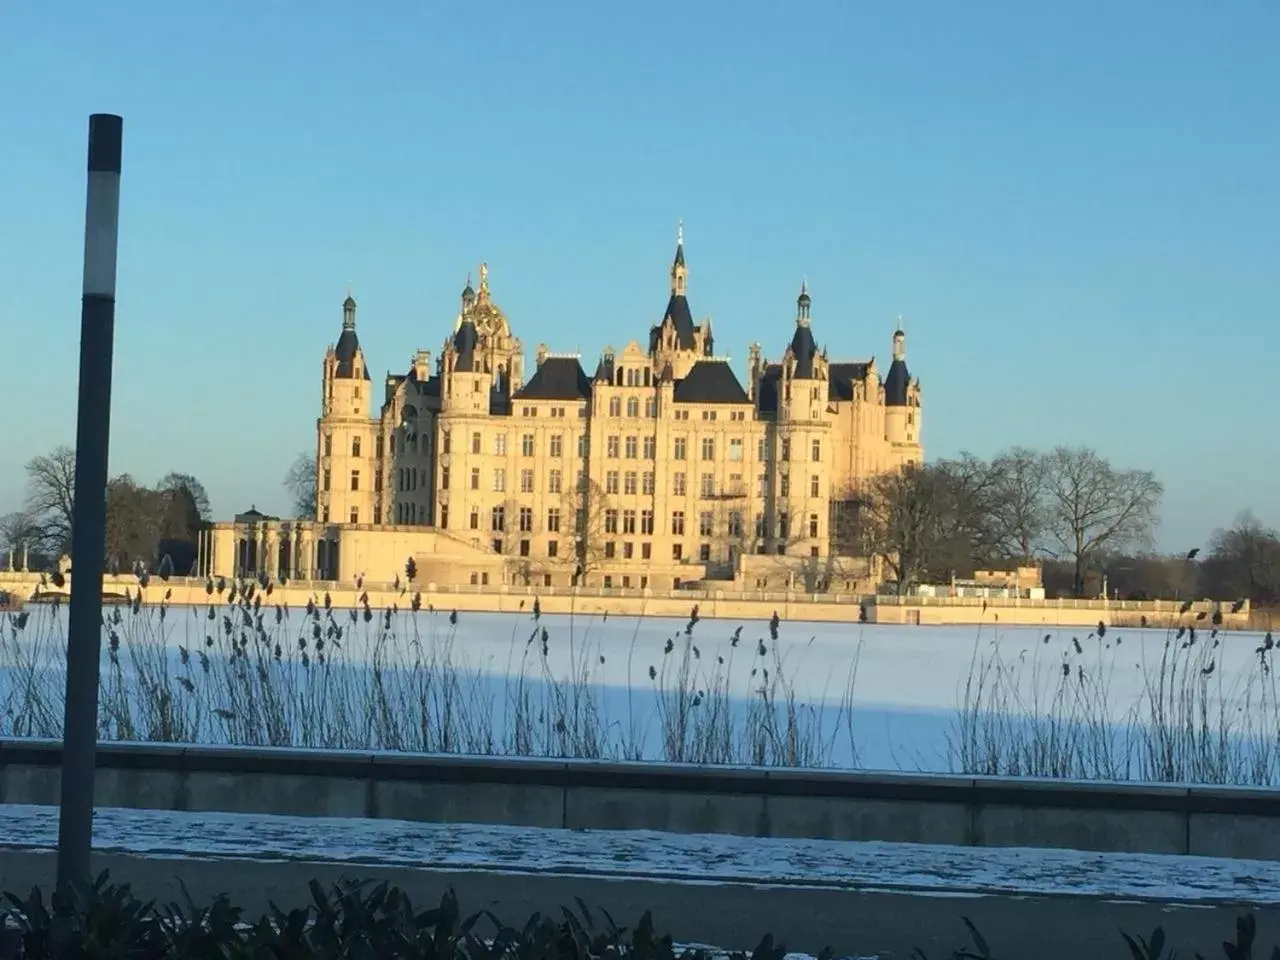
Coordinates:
[558,378]
[843,376]
[710,381]
[464,342]
[681,318]
[895,384]
[345,351]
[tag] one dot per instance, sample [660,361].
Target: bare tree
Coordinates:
[899,518]
[1018,506]
[20,530]
[1092,507]
[50,498]
[1244,562]
[135,516]
[176,483]
[300,482]
[587,508]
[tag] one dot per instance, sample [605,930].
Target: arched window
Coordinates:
[633,407]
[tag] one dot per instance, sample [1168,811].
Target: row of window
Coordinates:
[631,522]
[632,447]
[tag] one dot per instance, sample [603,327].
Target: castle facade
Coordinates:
[657,469]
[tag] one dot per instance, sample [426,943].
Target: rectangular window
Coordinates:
[498,519]
[707,485]
[444,478]
[325,484]
[355,446]
[646,553]
[611,521]
[582,445]
[611,448]
[628,551]
[475,443]
[628,521]
[680,448]
[646,522]
[708,448]
[784,485]
[650,406]
[444,516]
[646,483]
[704,552]
[784,526]
[553,550]
[377,483]
[762,449]
[554,481]
[475,478]
[817,451]
[678,481]
[813,526]
[524,548]
[328,445]
[557,445]
[500,444]
[735,448]
[355,515]
[553,520]
[378,446]
[762,482]
[632,446]
[677,523]
[610,548]
[611,482]
[526,520]
[677,553]
[650,447]
[706,523]
[499,480]
[526,445]
[445,442]
[786,448]
[526,481]
[815,486]
[324,515]
[735,523]
[629,483]
[615,406]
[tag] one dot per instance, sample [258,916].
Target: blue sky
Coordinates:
[1076,207]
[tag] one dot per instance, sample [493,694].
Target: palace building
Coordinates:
[656,469]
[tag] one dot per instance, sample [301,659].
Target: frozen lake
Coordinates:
[1141,704]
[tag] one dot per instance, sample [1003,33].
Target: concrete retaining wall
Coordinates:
[1133,818]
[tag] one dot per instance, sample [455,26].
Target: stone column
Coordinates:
[26,556]
[273,553]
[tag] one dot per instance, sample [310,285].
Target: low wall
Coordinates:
[831,805]
[711,604]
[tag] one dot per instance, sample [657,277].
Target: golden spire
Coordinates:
[484,282]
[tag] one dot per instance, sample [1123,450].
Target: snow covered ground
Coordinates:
[935,870]
[987,699]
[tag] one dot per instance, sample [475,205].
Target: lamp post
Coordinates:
[89,511]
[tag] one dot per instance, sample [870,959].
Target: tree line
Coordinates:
[1085,521]
[145,524]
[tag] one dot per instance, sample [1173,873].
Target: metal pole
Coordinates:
[89,512]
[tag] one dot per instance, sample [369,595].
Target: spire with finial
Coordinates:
[349,311]
[483,293]
[679,272]
[802,303]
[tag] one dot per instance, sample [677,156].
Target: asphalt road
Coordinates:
[853,922]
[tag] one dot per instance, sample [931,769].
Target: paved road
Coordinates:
[855,922]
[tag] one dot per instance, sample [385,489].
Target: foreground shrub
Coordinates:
[367,922]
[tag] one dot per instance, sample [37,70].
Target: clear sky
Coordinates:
[1075,206]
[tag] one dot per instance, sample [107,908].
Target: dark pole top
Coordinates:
[106,131]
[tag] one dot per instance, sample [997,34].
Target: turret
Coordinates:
[898,418]
[345,371]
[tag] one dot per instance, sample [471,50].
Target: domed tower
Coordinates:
[901,401]
[345,432]
[804,373]
[345,373]
[482,364]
